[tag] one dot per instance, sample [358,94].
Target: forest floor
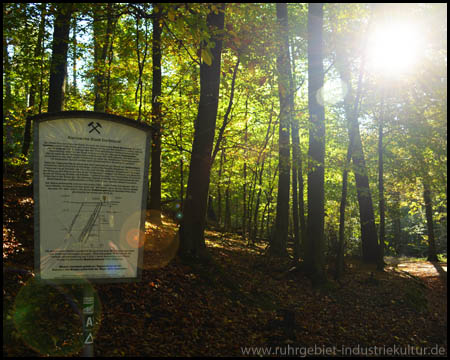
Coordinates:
[242,303]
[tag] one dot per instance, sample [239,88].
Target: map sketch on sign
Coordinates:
[91,221]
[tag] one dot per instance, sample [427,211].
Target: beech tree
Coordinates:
[432,255]
[58,65]
[314,258]
[155,181]
[34,82]
[103,22]
[280,235]
[257,97]
[192,242]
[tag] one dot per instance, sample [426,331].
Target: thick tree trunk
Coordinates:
[180,125]
[369,239]
[278,240]
[367,218]
[59,57]
[155,180]
[297,163]
[314,261]
[192,242]
[352,111]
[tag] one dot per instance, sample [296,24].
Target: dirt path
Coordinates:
[434,277]
[425,269]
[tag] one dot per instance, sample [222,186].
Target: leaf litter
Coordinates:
[240,299]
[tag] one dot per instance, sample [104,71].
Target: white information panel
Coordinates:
[91,180]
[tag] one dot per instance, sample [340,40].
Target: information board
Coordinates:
[90,192]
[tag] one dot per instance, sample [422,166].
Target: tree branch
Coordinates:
[227,113]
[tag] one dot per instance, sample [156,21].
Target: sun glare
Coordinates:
[394,49]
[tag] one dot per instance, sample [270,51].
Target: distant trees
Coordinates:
[244,73]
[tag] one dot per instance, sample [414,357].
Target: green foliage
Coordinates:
[414,107]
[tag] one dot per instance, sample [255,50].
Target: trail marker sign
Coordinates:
[90,192]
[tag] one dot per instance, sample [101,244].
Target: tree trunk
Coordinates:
[254,229]
[296,162]
[34,82]
[244,217]
[380,263]
[369,237]
[219,189]
[396,219]
[226,119]
[267,206]
[432,254]
[59,57]
[102,38]
[314,261]
[7,100]
[155,180]
[253,234]
[352,111]
[278,240]
[141,64]
[227,222]
[211,214]
[341,240]
[181,160]
[74,57]
[367,218]
[192,242]
[110,60]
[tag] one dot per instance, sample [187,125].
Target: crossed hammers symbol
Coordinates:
[91,124]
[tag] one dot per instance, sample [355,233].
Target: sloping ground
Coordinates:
[434,276]
[240,304]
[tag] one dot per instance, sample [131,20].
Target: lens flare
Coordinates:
[332,92]
[135,238]
[48,317]
[160,248]
[394,48]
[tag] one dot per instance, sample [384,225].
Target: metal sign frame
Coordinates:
[94,127]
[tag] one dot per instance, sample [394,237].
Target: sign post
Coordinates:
[90,193]
[88,321]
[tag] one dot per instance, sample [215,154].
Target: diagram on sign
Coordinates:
[89,223]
